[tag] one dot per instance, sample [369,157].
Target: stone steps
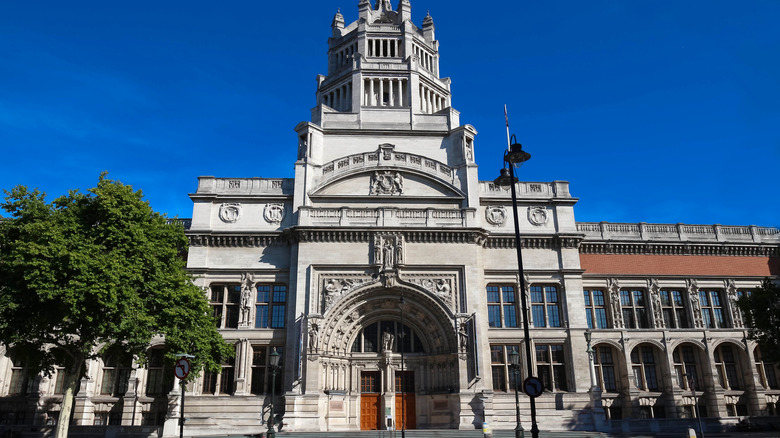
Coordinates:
[438,434]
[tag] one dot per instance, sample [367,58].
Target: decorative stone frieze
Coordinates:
[230,213]
[334,288]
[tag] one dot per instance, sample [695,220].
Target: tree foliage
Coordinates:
[761,311]
[92,271]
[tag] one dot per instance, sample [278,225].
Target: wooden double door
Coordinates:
[371,415]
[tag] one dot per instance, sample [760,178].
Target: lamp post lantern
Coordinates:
[515,156]
[514,364]
[274,365]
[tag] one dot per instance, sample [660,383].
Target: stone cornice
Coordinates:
[535,242]
[664,248]
[236,240]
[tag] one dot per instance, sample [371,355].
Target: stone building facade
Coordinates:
[385,274]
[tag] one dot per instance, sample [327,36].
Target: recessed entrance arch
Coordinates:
[362,339]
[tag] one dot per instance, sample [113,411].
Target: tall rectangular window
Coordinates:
[551,367]
[503,376]
[271,306]
[502,306]
[634,308]
[643,367]
[595,309]
[545,306]
[159,380]
[224,300]
[261,370]
[712,309]
[605,368]
[220,382]
[673,307]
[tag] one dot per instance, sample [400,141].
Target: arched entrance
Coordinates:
[397,365]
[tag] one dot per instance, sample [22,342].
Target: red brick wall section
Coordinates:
[640,264]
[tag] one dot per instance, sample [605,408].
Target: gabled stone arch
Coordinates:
[633,344]
[740,346]
[678,342]
[611,342]
[423,313]
[442,185]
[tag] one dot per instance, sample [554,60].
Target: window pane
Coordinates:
[277,320]
[261,319]
[494,316]
[510,317]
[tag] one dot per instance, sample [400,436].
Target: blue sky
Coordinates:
[655,111]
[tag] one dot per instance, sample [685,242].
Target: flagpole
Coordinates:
[506,118]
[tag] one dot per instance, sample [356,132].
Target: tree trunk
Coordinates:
[71,383]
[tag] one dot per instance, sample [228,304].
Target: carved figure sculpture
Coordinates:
[463,335]
[246,297]
[387,341]
[313,337]
[443,288]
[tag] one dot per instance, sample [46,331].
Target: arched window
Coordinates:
[374,338]
[116,373]
[20,376]
[728,368]
[685,367]
[767,371]
[643,366]
[159,375]
[604,359]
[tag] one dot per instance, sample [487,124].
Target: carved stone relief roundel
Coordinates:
[496,215]
[230,213]
[537,215]
[274,213]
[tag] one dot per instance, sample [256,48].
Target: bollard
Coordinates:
[487,432]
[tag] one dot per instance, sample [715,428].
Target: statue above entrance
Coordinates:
[388,251]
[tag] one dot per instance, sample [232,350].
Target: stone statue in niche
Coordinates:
[614,301]
[247,292]
[463,335]
[387,341]
[693,292]
[655,299]
[388,251]
[314,334]
[387,183]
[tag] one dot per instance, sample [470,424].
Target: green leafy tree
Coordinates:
[94,271]
[761,310]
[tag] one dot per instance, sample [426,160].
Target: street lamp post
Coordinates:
[515,156]
[692,384]
[274,370]
[514,364]
[401,335]
[591,362]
